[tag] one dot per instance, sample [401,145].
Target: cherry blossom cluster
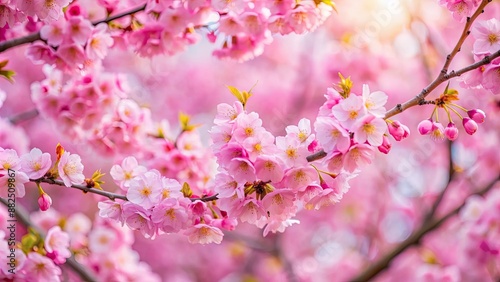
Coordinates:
[76,105]
[95,108]
[157,205]
[244,26]
[103,247]
[487,42]
[36,165]
[435,129]
[165,27]
[72,42]
[264,180]
[350,127]
[480,218]
[460,9]
[18,11]
[32,262]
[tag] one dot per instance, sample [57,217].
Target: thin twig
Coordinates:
[383,263]
[16,119]
[444,75]
[110,195]
[23,216]
[36,36]
[85,189]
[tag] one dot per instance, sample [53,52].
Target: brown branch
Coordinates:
[85,189]
[23,216]
[36,36]
[444,75]
[415,238]
[110,195]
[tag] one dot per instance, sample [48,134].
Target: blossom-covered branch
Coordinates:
[23,216]
[36,35]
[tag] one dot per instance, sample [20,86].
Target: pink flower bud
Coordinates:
[477,115]
[470,126]
[425,127]
[44,201]
[386,145]
[396,130]
[451,131]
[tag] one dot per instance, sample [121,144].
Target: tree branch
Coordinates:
[415,238]
[23,216]
[36,36]
[443,75]
[16,119]
[110,195]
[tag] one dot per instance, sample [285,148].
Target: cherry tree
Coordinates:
[215,140]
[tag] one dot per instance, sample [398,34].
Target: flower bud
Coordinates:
[425,127]
[477,115]
[470,126]
[386,145]
[44,202]
[396,130]
[451,131]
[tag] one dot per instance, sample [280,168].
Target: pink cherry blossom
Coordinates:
[98,43]
[227,113]
[57,245]
[250,210]
[111,210]
[53,33]
[204,234]
[302,132]
[242,170]
[102,240]
[138,218]
[491,77]
[124,173]
[357,156]
[269,168]
[348,111]
[369,129]
[145,189]
[374,102]
[70,169]
[35,164]
[437,133]
[487,35]
[279,204]
[299,178]
[247,125]
[41,268]
[331,135]
[79,29]
[262,143]
[170,216]
[291,151]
